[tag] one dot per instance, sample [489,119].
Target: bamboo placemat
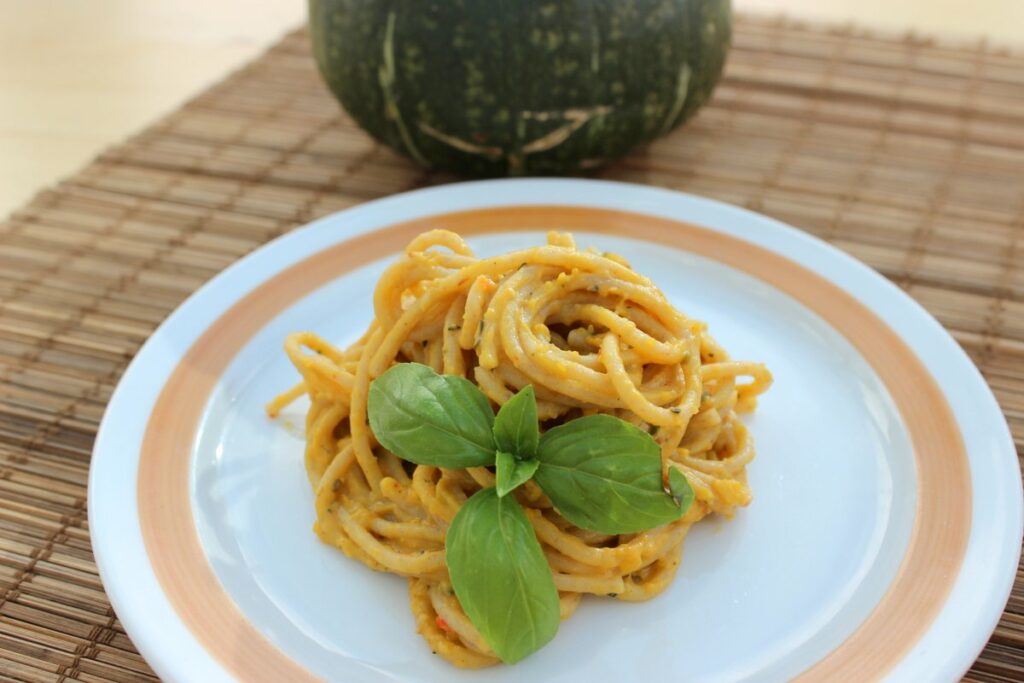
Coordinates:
[906,153]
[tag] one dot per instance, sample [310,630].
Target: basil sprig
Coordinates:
[601,473]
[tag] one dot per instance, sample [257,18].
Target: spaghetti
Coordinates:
[592,336]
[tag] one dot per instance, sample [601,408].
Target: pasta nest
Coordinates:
[592,336]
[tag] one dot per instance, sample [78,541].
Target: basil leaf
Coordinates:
[511,472]
[515,427]
[500,575]
[431,419]
[679,487]
[603,474]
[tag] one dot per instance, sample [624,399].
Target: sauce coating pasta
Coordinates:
[591,336]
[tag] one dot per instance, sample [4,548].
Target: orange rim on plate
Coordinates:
[927,571]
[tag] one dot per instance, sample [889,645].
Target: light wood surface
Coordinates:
[1001,21]
[79,75]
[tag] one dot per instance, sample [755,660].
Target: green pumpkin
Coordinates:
[518,87]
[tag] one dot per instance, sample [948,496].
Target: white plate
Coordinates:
[882,541]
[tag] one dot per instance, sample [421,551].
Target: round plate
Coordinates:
[882,541]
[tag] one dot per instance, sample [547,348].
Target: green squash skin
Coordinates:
[519,87]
